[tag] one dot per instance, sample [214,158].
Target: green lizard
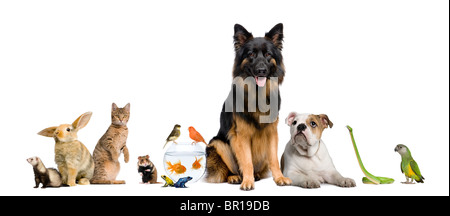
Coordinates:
[369,179]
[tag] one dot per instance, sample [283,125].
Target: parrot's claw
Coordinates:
[407,182]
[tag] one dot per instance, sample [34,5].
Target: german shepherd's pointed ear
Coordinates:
[241,36]
[276,35]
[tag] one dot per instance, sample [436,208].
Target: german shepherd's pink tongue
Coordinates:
[261,81]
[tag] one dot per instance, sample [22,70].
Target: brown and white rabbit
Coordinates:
[74,161]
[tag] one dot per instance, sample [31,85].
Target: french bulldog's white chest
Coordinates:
[318,162]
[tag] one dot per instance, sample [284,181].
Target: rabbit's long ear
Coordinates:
[82,121]
[48,132]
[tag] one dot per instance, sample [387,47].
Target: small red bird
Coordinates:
[195,135]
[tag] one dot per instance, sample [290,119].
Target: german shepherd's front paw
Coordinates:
[247,185]
[282,181]
[234,179]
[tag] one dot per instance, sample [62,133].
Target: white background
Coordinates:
[379,66]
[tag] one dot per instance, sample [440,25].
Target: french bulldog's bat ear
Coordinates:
[325,120]
[290,118]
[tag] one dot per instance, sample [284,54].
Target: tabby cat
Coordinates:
[110,146]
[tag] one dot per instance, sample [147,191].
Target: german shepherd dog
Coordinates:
[245,148]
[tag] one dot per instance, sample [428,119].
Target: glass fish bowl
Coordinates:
[185,159]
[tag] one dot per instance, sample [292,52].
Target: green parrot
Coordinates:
[408,165]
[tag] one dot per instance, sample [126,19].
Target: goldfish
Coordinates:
[195,135]
[177,167]
[196,164]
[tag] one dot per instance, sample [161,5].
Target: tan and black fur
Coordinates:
[110,146]
[74,161]
[245,149]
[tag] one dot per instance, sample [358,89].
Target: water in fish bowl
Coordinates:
[184,159]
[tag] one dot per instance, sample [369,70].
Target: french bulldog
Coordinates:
[306,160]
